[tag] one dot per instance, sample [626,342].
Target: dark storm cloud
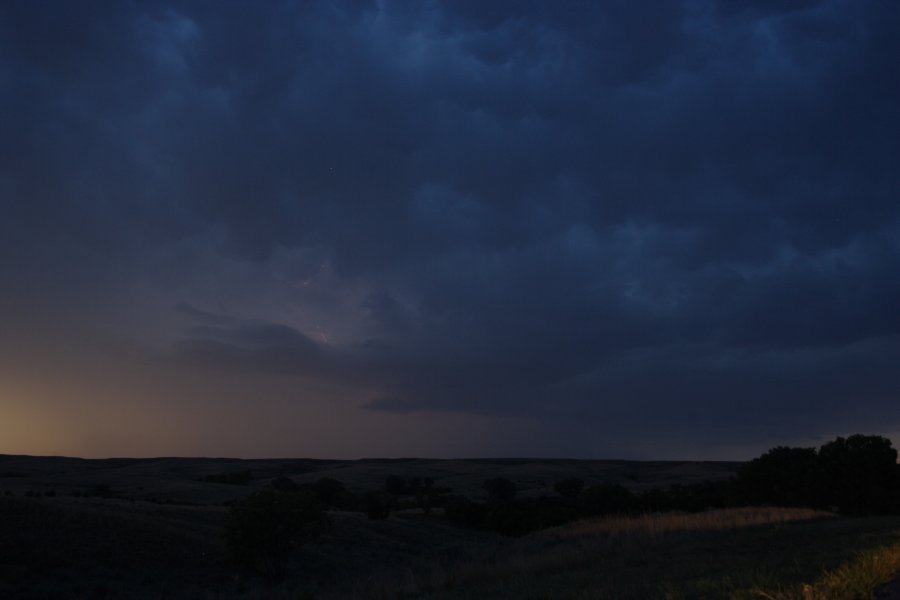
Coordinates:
[590,210]
[387,311]
[222,341]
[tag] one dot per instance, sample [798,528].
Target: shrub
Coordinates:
[512,518]
[262,529]
[569,488]
[395,485]
[608,498]
[378,505]
[500,489]
[463,512]
[333,493]
[696,497]
[233,478]
[284,484]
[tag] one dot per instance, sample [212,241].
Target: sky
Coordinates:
[613,229]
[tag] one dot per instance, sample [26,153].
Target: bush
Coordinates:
[284,484]
[378,505]
[102,490]
[608,498]
[463,512]
[233,478]
[512,518]
[696,497]
[394,485]
[333,493]
[262,529]
[569,488]
[500,489]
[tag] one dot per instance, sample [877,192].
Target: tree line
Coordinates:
[857,475]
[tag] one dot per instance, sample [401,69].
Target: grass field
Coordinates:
[90,547]
[737,553]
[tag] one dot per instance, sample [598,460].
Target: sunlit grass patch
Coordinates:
[854,580]
[655,524]
[733,554]
[609,557]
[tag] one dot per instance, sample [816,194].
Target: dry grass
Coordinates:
[573,546]
[659,524]
[854,580]
[140,550]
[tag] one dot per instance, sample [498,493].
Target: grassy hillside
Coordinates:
[61,547]
[153,528]
[731,554]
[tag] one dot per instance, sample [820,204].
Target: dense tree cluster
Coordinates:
[857,475]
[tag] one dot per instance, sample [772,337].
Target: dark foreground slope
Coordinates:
[92,548]
[154,528]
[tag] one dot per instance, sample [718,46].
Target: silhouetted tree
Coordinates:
[242,477]
[784,477]
[102,490]
[332,492]
[608,498]
[464,512]
[394,484]
[862,474]
[500,489]
[857,475]
[284,484]
[569,488]
[425,494]
[512,518]
[378,505]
